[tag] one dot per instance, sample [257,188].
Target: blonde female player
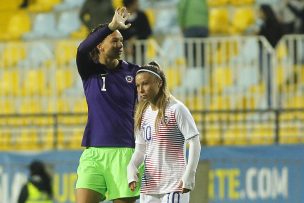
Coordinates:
[163,125]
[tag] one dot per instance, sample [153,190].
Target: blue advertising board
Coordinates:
[272,174]
[264,174]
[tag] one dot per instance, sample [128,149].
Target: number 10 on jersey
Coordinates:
[147,132]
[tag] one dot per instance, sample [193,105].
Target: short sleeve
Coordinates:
[185,121]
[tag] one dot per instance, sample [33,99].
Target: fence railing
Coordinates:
[216,73]
[251,127]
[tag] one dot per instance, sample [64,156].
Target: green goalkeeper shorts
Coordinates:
[104,170]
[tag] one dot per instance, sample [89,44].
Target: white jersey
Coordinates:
[165,161]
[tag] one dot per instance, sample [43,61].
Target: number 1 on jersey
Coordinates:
[103,88]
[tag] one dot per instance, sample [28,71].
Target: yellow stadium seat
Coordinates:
[64,79]
[220,103]
[45,120]
[180,61]
[281,52]
[49,139]
[194,102]
[217,15]
[222,77]
[212,136]
[212,3]
[151,50]
[10,5]
[42,5]
[296,102]
[299,72]
[60,105]
[34,83]
[18,24]
[287,116]
[117,3]
[257,88]
[81,33]
[291,89]
[262,134]
[17,121]
[65,52]
[68,120]
[280,76]
[299,115]
[27,120]
[30,106]
[80,106]
[61,139]
[291,134]
[13,53]
[83,119]
[76,139]
[3,120]
[215,117]
[27,140]
[14,24]
[69,138]
[9,83]
[73,120]
[5,141]
[247,102]
[225,52]
[151,16]
[241,2]
[198,118]
[173,77]
[5,16]
[242,18]
[237,117]
[236,134]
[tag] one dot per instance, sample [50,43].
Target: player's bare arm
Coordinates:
[119,19]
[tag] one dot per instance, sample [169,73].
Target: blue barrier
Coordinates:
[265,174]
[272,174]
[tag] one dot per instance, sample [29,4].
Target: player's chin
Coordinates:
[120,53]
[143,99]
[117,55]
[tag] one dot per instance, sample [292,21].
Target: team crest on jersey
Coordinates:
[129,79]
[167,120]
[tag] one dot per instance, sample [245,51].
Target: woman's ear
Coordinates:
[160,83]
[99,47]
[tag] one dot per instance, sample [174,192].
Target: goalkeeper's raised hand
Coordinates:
[119,19]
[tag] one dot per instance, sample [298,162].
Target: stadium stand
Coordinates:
[247,93]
